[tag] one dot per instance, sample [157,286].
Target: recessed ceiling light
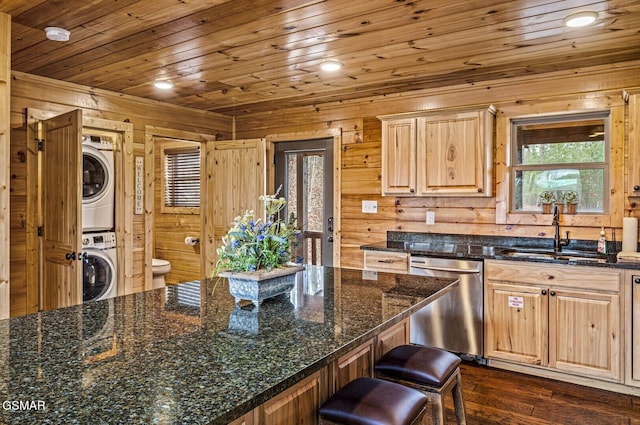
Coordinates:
[163,84]
[330,66]
[581,19]
[57,34]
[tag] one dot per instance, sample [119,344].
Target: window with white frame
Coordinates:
[560,159]
[182,177]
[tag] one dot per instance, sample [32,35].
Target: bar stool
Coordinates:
[432,371]
[366,401]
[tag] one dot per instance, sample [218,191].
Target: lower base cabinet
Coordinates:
[299,404]
[566,318]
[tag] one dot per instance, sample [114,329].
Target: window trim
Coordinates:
[568,117]
[504,171]
[172,147]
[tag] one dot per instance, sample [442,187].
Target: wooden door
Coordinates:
[399,156]
[236,178]
[584,333]
[62,211]
[516,319]
[453,158]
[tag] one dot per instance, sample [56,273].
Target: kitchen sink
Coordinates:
[547,254]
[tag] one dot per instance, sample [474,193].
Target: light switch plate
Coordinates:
[370,207]
[431,218]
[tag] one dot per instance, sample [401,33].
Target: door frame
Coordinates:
[151,133]
[124,194]
[336,134]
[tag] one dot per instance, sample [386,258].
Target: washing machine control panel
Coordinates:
[102,240]
[98,142]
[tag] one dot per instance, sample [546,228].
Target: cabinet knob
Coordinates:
[552,293]
[479,190]
[636,280]
[412,190]
[636,188]
[544,292]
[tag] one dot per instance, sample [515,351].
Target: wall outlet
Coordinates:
[370,207]
[431,218]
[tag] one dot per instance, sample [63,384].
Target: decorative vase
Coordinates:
[260,285]
[546,208]
[572,208]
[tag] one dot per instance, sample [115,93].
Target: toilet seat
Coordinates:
[160,266]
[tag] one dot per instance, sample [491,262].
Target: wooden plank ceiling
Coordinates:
[242,56]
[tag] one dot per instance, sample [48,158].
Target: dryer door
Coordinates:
[98,274]
[95,175]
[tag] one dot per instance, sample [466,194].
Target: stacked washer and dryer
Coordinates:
[100,264]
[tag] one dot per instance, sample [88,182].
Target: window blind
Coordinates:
[182,178]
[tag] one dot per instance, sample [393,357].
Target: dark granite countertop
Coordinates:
[474,247]
[182,355]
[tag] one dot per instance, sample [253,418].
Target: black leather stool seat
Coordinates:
[422,365]
[371,401]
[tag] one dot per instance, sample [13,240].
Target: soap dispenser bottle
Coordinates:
[602,242]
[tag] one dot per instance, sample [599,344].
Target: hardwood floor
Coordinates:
[494,396]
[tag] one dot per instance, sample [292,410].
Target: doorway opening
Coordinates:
[304,169]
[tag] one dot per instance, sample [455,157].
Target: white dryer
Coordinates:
[99,266]
[98,186]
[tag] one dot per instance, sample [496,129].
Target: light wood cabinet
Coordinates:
[632,326]
[399,156]
[438,154]
[386,261]
[357,363]
[632,97]
[391,338]
[567,318]
[297,405]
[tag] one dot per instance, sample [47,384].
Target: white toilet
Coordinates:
[160,268]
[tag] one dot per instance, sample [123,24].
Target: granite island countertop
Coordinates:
[186,354]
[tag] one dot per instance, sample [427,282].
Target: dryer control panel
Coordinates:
[102,240]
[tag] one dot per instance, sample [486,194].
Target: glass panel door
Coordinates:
[304,169]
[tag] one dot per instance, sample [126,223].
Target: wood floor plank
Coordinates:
[501,397]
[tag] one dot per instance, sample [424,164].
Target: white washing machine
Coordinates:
[99,266]
[98,188]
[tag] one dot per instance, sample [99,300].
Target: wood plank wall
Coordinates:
[581,89]
[5,85]
[28,91]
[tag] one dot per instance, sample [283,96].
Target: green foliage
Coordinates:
[251,244]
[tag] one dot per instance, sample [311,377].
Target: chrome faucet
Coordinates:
[558,242]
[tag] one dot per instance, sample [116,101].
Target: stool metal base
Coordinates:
[435,395]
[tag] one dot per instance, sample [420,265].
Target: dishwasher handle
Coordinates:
[446,269]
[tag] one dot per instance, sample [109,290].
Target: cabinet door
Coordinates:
[399,156]
[455,154]
[357,363]
[516,323]
[584,333]
[297,405]
[634,332]
[396,335]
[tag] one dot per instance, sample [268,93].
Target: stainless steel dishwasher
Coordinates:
[453,322]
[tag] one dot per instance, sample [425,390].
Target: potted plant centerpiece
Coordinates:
[256,255]
[546,199]
[571,199]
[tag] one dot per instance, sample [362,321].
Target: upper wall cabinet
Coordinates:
[438,154]
[632,97]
